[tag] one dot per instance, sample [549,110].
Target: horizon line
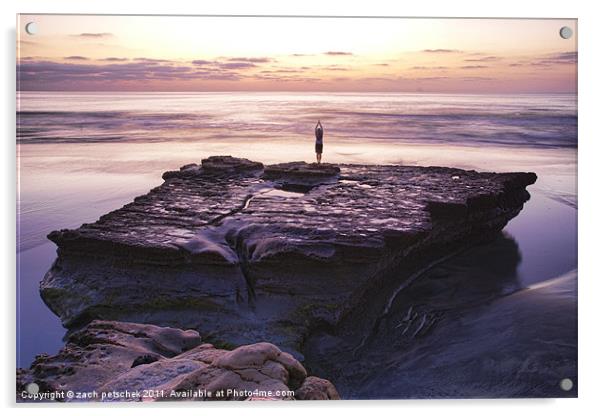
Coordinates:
[302,92]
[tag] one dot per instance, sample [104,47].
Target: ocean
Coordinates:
[517,120]
[81,155]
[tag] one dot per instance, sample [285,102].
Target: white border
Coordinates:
[590,136]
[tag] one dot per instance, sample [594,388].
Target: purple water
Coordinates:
[519,120]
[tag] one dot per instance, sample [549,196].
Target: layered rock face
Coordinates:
[118,361]
[244,253]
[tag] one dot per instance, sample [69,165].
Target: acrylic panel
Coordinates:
[295,208]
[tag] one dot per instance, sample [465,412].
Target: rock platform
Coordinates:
[246,253]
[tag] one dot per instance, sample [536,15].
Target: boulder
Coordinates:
[215,165]
[315,388]
[118,361]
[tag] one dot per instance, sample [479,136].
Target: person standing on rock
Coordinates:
[319,142]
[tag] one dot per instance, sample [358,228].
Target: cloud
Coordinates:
[151,60]
[232,62]
[563,58]
[429,67]
[477,79]
[93,35]
[429,78]
[282,77]
[114,59]
[282,71]
[377,79]
[48,70]
[474,67]
[76,58]
[441,51]
[337,53]
[489,58]
[237,65]
[335,68]
[251,60]
[40,75]
[217,76]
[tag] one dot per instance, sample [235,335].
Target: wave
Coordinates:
[471,123]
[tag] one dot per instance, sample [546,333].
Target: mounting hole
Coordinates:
[566,32]
[32,388]
[31,28]
[566,384]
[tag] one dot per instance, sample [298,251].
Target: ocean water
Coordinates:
[525,120]
[82,155]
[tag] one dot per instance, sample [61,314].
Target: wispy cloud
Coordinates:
[338,53]
[441,51]
[281,71]
[237,65]
[35,75]
[76,58]
[547,61]
[151,60]
[93,35]
[563,58]
[377,79]
[251,60]
[439,68]
[570,57]
[474,67]
[477,79]
[437,78]
[114,59]
[231,63]
[489,58]
[335,68]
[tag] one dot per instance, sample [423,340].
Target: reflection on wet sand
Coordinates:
[465,328]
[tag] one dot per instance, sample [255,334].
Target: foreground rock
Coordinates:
[117,361]
[244,253]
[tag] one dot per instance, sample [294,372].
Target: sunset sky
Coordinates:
[166,53]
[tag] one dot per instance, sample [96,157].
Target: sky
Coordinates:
[170,53]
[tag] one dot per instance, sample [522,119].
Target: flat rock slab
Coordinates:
[122,361]
[301,174]
[261,251]
[364,206]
